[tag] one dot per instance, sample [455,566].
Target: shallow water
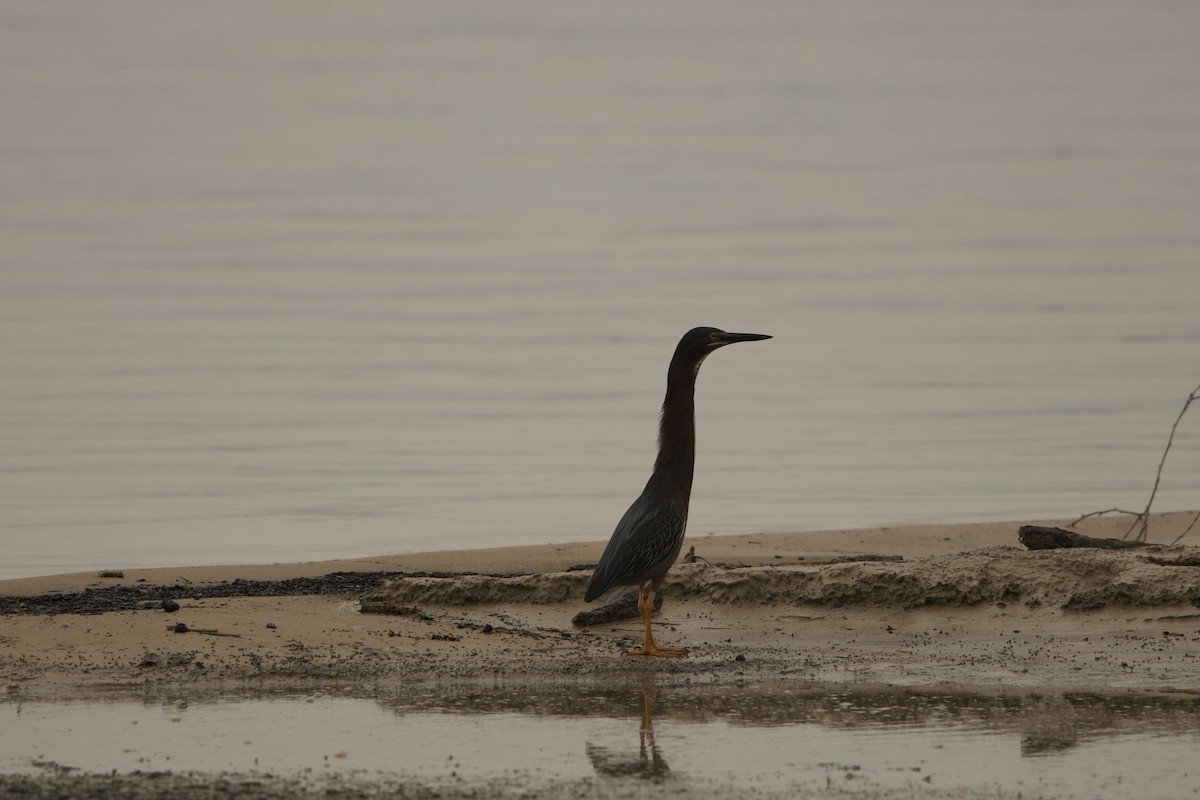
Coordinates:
[281,281]
[757,736]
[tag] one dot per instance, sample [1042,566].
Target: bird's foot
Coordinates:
[657,650]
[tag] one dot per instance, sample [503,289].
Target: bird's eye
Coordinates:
[712,337]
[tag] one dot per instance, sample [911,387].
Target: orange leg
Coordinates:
[649,648]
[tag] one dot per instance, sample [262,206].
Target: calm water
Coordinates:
[753,737]
[295,280]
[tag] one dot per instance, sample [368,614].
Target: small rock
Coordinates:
[180,628]
[370,651]
[272,625]
[151,659]
[488,628]
[739,657]
[170,606]
[111,573]
[178,660]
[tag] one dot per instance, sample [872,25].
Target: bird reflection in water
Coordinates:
[647,763]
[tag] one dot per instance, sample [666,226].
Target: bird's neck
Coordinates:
[677,434]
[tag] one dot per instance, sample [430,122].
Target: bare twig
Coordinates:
[1188,529]
[1145,515]
[1101,514]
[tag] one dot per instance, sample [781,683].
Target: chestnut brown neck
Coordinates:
[677,432]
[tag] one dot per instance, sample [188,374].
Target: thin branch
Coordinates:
[1102,513]
[1145,515]
[1186,530]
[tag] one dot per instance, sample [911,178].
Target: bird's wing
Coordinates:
[648,534]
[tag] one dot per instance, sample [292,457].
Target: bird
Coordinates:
[649,536]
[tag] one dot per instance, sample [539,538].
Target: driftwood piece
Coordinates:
[1036,537]
[621,606]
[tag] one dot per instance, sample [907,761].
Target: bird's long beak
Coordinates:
[731,338]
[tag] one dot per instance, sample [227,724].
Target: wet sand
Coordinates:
[964,606]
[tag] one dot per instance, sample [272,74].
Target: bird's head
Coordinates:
[697,343]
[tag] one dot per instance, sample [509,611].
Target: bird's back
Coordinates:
[644,545]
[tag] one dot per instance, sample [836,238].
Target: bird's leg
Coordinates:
[649,648]
[646,609]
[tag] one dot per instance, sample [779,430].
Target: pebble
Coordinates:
[170,606]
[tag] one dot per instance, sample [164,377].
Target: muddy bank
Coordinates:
[1076,579]
[962,604]
[316,641]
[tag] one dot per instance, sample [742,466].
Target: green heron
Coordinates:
[648,538]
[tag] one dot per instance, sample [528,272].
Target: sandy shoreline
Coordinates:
[857,627]
[752,549]
[962,609]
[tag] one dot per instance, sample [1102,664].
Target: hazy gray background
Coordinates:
[289,280]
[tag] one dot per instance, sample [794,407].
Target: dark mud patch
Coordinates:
[137,597]
[59,784]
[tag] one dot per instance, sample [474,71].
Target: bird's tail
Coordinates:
[601,583]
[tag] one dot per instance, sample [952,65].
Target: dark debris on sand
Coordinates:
[101,599]
[66,784]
